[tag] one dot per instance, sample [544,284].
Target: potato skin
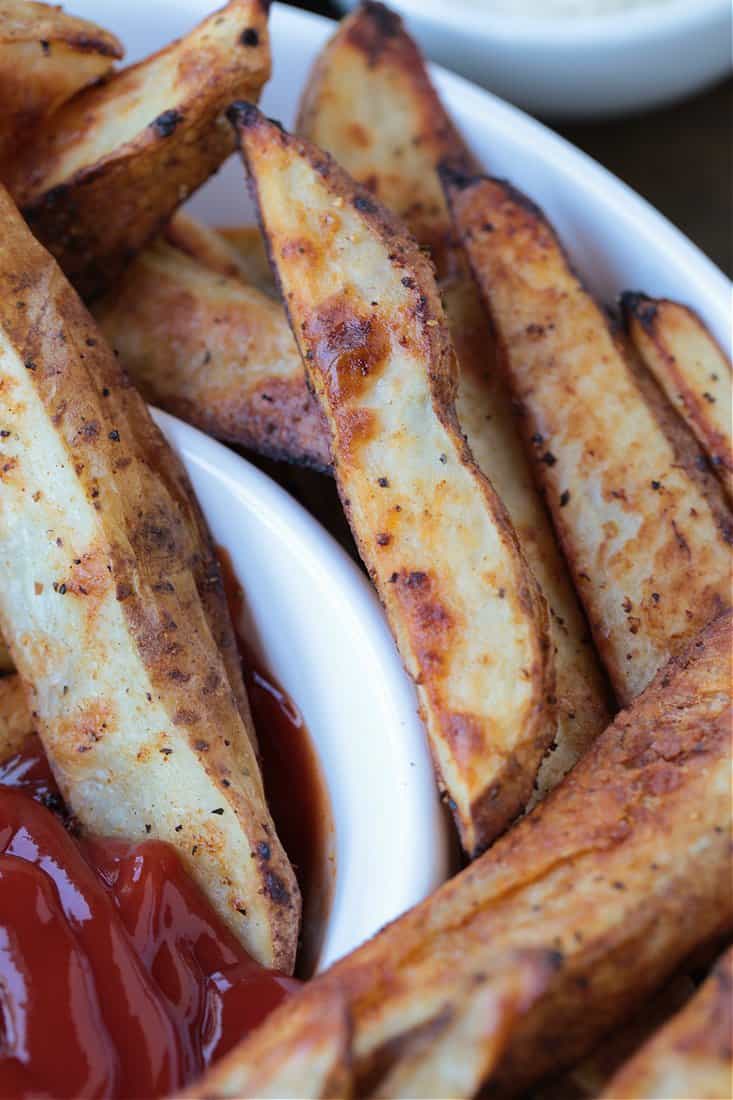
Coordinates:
[110,603]
[645,528]
[46,55]
[692,1055]
[583,878]
[369,101]
[103,177]
[692,370]
[216,352]
[468,617]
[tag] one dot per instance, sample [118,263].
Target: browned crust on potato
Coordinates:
[691,368]
[46,55]
[134,615]
[692,1055]
[16,722]
[618,874]
[97,213]
[384,373]
[645,528]
[216,353]
[369,101]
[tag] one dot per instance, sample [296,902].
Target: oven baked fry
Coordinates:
[105,174]
[646,532]
[250,248]
[46,55]
[692,1055]
[369,101]
[616,876]
[692,370]
[208,347]
[104,604]
[15,718]
[468,617]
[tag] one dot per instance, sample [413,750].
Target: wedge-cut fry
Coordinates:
[16,722]
[250,248]
[647,533]
[109,169]
[104,603]
[46,56]
[616,876]
[691,369]
[469,620]
[206,245]
[214,351]
[692,1055]
[370,103]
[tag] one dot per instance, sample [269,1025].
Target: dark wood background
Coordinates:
[680,158]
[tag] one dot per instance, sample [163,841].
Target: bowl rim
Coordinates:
[643,24]
[418,855]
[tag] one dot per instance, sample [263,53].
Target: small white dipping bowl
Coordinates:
[578,66]
[313,619]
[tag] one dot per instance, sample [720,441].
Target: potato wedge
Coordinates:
[46,56]
[370,103]
[214,351]
[236,251]
[247,241]
[647,533]
[468,617]
[584,879]
[16,722]
[691,369]
[104,603]
[105,174]
[692,1055]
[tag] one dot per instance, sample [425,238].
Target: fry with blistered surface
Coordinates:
[692,370]
[111,166]
[46,56]
[617,876]
[215,351]
[370,103]
[109,606]
[646,531]
[692,1055]
[469,620]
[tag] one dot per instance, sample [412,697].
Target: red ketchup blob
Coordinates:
[117,979]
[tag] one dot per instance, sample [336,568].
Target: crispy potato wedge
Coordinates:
[247,241]
[647,533]
[16,722]
[468,617]
[692,370]
[370,103]
[692,1055]
[584,879]
[105,174]
[216,352]
[46,56]
[105,603]
[206,245]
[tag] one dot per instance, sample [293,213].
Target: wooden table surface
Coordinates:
[680,158]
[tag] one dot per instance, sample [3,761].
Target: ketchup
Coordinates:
[117,979]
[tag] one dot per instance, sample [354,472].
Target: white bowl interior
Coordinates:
[314,619]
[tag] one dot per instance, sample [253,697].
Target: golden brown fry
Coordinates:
[692,1055]
[469,620]
[206,245]
[250,248]
[616,876]
[108,603]
[691,369]
[647,533]
[370,103]
[214,351]
[103,176]
[16,722]
[46,56]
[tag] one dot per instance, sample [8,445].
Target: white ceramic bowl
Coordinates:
[319,626]
[313,618]
[578,67]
